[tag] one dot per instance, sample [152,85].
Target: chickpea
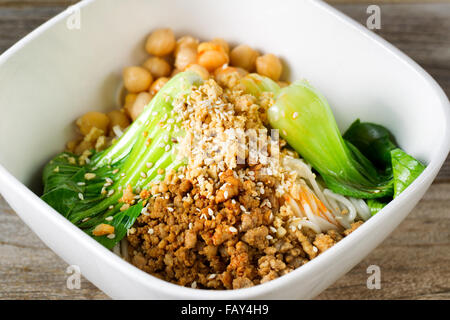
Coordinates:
[158,67]
[92,119]
[142,100]
[157,85]
[221,42]
[186,42]
[137,79]
[161,42]
[118,118]
[244,57]
[130,98]
[270,66]
[185,57]
[211,56]
[204,74]
[229,76]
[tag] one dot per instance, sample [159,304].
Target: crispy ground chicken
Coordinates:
[218,223]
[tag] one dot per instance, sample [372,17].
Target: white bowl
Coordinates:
[55,74]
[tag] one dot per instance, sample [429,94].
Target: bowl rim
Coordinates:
[152,283]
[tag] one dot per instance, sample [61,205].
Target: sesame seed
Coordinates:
[111,236]
[190,225]
[295,115]
[143,175]
[315,249]
[109,180]
[149,165]
[80,195]
[151,231]
[273,229]
[110,192]
[194,285]
[81,183]
[90,176]
[269,237]
[170,209]
[110,218]
[167,147]
[225,194]
[210,212]
[111,207]
[299,226]
[233,230]
[212,276]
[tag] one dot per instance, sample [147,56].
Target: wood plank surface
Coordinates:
[414,261]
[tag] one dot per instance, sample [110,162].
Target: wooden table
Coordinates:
[414,260]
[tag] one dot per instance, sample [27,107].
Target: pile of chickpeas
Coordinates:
[170,56]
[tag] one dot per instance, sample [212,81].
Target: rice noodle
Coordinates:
[305,172]
[306,223]
[341,211]
[362,208]
[320,222]
[344,218]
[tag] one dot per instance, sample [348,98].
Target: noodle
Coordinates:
[323,209]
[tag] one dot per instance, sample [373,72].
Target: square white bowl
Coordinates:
[55,74]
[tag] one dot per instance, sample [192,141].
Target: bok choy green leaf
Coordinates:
[306,122]
[89,194]
[405,170]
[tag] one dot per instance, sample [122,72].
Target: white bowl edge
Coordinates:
[13,190]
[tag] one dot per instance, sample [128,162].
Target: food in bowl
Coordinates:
[217,175]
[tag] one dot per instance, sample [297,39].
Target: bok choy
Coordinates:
[89,192]
[366,163]
[306,122]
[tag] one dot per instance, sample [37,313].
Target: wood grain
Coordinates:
[414,260]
